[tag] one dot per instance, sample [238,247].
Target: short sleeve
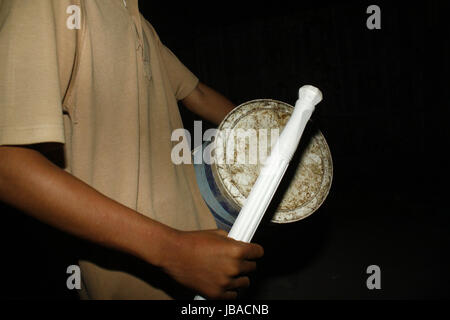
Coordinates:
[37,52]
[182,80]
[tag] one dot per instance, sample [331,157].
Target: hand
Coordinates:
[211,263]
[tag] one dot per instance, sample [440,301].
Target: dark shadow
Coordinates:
[118,261]
[53,151]
[35,258]
[289,247]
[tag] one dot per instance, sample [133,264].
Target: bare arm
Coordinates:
[206,261]
[208,103]
[35,185]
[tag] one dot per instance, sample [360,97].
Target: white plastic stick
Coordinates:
[274,168]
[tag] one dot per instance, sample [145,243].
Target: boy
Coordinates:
[103,94]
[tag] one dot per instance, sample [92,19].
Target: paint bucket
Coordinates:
[228,170]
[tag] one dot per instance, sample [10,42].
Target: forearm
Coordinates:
[208,104]
[33,184]
[206,261]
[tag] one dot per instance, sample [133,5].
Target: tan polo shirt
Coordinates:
[108,90]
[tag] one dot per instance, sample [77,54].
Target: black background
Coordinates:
[383,115]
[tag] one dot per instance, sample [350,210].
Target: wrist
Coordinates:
[159,243]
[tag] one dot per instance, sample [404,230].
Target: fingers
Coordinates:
[248,251]
[255,251]
[229,291]
[247,267]
[229,295]
[224,263]
[241,282]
